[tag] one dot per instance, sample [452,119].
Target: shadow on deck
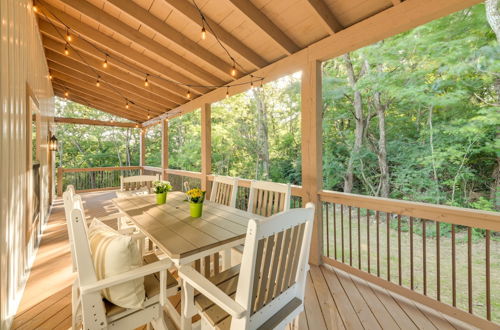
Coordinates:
[334,299]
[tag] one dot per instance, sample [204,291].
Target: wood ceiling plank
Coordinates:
[90,96]
[266,25]
[227,38]
[130,33]
[99,90]
[94,122]
[127,67]
[65,72]
[325,14]
[112,111]
[117,48]
[109,75]
[164,29]
[396,2]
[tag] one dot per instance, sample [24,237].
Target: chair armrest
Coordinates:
[155,267]
[112,216]
[212,292]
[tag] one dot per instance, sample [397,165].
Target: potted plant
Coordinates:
[195,197]
[161,188]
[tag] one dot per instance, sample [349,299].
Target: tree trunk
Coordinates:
[358,114]
[262,133]
[382,148]
[493,16]
[431,143]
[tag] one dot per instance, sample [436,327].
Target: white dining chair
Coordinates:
[224,190]
[267,290]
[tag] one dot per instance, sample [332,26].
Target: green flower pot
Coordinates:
[195,209]
[161,198]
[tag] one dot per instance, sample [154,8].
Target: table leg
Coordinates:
[187,306]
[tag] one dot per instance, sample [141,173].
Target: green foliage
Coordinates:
[184,142]
[162,187]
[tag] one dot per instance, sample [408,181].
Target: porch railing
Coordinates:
[443,257]
[437,255]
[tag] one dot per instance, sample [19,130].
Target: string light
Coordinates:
[233,70]
[227,92]
[66,93]
[136,125]
[251,82]
[68,36]
[149,117]
[146,82]
[50,76]
[35,8]
[66,50]
[98,83]
[203,33]
[188,94]
[105,63]
[126,105]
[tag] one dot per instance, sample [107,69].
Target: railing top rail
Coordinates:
[152,168]
[442,213]
[92,169]
[184,173]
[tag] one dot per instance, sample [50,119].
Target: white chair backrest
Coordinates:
[224,190]
[138,181]
[94,315]
[268,198]
[274,265]
[68,197]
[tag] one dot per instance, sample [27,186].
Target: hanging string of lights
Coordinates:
[106,55]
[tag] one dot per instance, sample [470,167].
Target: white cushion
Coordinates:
[113,254]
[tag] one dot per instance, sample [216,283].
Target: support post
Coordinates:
[59,181]
[312,169]
[142,141]
[164,149]
[206,146]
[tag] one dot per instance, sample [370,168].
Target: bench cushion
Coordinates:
[113,254]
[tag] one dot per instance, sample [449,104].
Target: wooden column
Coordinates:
[206,145]
[312,169]
[59,181]
[142,140]
[164,148]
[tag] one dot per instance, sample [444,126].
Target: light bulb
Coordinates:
[50,76]
[68,36]
[146,82]
[233,71]
[203,33]
[105,63]
[66,93]
[126,106]
[227,93]
[98,84]
[66,50]
[149,117]
[188,95]
[35,9]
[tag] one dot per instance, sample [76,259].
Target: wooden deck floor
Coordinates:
[334,299]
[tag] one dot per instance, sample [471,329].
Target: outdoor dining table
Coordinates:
[182,238]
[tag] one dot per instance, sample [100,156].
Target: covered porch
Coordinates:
[372,263]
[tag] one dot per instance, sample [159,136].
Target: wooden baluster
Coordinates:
[488,283]
[377,216]
[400,275]
[342,229]
[388,223]
[327,231]
[469,267]
[424,256]
[411,253]
[453,268]
[359,238]
[335,230]
[368,237]
[438,261]
[350,235]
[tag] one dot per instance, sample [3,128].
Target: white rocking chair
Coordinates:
[267,290]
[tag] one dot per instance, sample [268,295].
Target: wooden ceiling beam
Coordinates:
[109,75]
[114,47]
[113,23]
[226,37]
[91,95]
[83,99]
[266,25]
[396,2]
[98,91]
[146,18]
[74,97]
[155,92]
[127,67]
[93,122]
[65,73]
[325,14]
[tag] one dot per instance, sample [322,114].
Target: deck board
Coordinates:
[334,299]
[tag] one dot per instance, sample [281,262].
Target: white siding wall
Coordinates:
[22,63]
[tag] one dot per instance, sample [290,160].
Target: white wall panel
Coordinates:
[22,64]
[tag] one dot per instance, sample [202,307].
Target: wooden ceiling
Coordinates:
[162,37]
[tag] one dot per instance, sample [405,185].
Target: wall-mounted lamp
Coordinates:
[53,143]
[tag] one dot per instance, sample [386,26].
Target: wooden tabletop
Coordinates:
[178,235]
